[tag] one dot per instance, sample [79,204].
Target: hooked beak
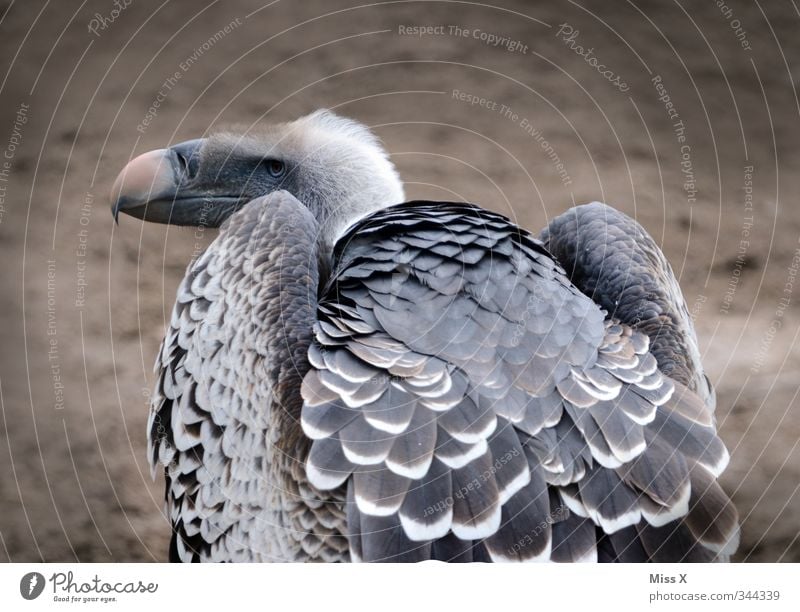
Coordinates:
[158,187]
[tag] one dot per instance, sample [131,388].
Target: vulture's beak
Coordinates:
[161,186]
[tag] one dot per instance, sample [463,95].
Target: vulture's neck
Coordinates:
[267,261]
[276,295]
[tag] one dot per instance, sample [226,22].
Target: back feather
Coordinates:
[478,406]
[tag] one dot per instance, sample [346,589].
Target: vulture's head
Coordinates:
[334,165]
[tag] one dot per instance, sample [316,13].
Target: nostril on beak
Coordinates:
[187,158]
[182,162]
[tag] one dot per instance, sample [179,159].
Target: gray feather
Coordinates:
[696,442]
[659,472]
[525,528]
[574,540]
[476,500]
[627,546]
[426,513]
[712,518]
[412,451]
[383,540]
[609,502]
[379,491]
[672,543]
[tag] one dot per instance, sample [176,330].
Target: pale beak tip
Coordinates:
[148,177]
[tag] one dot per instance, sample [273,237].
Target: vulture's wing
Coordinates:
[613,260]
[477,406]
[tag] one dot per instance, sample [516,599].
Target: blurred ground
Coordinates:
[84,302]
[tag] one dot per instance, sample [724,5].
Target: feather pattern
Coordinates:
[500,403]
[453,394]
[236,484]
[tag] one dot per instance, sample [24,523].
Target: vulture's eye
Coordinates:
[275,167]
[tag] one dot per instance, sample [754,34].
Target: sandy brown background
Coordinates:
[74,482]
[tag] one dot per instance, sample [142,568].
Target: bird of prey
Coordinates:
[348,376]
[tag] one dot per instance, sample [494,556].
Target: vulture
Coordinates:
[350,376]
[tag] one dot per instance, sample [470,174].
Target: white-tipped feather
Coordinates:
[313,432]
[419,532]
[716,469]
[324,481]
[391,428]
[595,391]
[358,459]
[426,384]
[472,438]
[519,481]
[414,471]
[679,509]
[574,504]
[438,404]
[651,383]
[459,461]
[315,359]
[542,557]
[362,401]
[728,548]
[554,465]
[669,389]
[590,556]
[366,374]
[369,507]
[607,461]
[641,420]
[630,454]
[479,529]
[614,524]
[554,419]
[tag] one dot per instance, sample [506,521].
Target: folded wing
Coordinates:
[476,405]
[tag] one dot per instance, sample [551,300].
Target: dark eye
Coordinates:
[275,167]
